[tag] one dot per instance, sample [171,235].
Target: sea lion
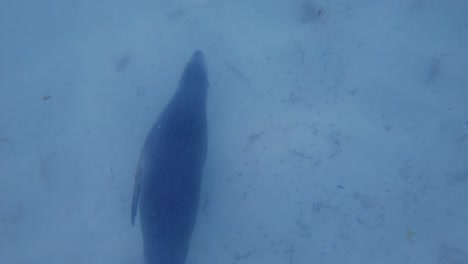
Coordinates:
[169,172]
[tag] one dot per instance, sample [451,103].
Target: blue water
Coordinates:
[338,130]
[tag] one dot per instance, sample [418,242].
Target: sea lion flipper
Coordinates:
[136,193]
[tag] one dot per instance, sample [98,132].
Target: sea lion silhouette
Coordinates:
[169,172]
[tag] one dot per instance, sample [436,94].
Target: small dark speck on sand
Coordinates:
[123,62]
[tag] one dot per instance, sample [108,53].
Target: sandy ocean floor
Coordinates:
[338,130]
